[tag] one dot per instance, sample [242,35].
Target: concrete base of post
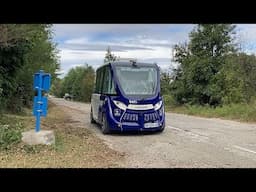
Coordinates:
[42,137]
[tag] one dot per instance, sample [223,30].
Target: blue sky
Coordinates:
[87,43]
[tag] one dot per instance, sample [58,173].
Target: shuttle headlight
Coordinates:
[161,111]
[120,105]
[158,105]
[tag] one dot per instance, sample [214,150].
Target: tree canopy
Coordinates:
[198,79]
[78,82]
[211,69]
[109,56]
[24,49]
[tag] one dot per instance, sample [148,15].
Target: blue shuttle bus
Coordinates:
[127,97]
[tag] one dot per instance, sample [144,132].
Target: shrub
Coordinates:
[10,135]
[169,100]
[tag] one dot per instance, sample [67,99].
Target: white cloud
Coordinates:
[77,65]
[87,43]
[81,40]
[69,54]
[78,30]
[80,43]
[247,31]
[175,32]
[71,58]
[246,37]
[146,54]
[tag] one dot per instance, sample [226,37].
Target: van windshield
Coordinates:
[137,80]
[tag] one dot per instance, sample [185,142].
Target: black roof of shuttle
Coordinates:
[127,63]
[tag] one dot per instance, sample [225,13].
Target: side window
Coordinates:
[96,86]
[111,84]
[101,80]
[106,80]
[108,83]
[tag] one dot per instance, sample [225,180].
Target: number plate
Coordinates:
[151,125]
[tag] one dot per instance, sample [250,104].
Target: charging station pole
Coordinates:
[41,83]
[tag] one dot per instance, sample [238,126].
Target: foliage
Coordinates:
[10,134]
[165,81]
[78,82]
[169,101]
[56,87]
[24,49]
[200,77]
[109,56]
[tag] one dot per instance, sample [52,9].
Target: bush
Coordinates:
[169,100]
[10,135]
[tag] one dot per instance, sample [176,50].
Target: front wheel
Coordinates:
[162,128]
[91,118]
[105,126]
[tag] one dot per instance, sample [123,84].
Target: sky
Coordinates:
[79,44]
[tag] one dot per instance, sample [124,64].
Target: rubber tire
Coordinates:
[91,118]
[105,126]
[161,130]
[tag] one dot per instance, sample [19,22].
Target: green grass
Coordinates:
[240,112]
[75,146]
[10,132]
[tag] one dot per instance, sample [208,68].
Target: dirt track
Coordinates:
[186,142]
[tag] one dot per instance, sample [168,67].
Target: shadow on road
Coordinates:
[129,133]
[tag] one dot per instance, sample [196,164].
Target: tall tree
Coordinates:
[78,82]
[165,79]
[199,76]
[109,56]
[240,78]
[24,49]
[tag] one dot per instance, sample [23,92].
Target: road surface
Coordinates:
[187,141]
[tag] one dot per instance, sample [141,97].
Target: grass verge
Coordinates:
[239,112]
[75,146]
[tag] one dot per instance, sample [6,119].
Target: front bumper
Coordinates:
[122,125]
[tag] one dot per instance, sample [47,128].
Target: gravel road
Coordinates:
[187,142]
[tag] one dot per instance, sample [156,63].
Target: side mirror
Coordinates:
[102,97]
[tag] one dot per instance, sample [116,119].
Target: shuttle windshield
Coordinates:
[137,81]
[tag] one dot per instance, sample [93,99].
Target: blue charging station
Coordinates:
[42,83]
